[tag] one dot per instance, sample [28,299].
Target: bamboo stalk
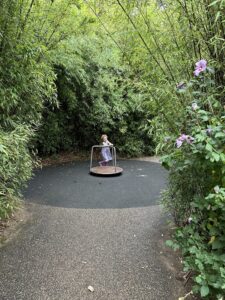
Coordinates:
[147,23]
[45,19]
[26,19]
[7,22]
[103,25]
[142,39]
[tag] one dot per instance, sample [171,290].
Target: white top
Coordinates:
[107,143]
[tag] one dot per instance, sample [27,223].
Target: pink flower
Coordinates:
[200,66]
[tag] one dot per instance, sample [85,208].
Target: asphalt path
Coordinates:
[91,231]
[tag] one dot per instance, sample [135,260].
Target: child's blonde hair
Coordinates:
[104,135]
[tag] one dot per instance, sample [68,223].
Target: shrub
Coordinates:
[196,193]
[15,167]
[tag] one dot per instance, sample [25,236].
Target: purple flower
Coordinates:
[179,143]
[183,137]
[197,72]
[180,140]
[200,66]
[194,106]
[189,139]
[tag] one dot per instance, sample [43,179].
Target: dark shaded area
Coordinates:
[71,186]
[89,93]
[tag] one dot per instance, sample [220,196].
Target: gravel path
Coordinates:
[91,231]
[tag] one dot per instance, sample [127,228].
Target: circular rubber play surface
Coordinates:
[106,171]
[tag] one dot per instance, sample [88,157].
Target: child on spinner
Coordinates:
[105,151]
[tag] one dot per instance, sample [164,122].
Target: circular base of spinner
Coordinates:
[106,171]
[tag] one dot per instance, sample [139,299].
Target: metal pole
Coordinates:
[100,146]
[115,157]
[91,157]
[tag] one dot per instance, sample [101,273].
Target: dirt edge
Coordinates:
[10,227]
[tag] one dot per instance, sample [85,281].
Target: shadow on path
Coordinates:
[71,186]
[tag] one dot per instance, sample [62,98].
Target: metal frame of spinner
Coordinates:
[105,170]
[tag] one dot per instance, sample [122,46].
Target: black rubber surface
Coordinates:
[72,186]
[85,230]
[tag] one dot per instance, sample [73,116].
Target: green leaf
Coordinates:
[215,156]
[217,245]
[214,3]
[204,291]
[212,239]
[2,149]
[219,134]
[208,147]
[217,16]
[199,279]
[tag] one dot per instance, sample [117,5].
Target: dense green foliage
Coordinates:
[196,194]
[95,95]
[71,70]
[27,35]
[15,167]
